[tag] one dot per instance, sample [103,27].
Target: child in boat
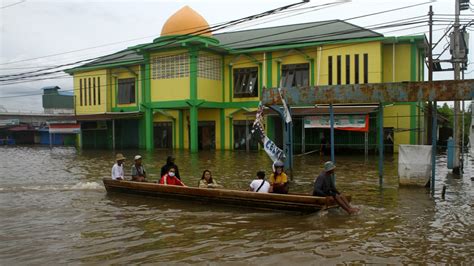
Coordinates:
[324,187]
[207,181]
[170,178]
[278,180]
[260,184]
[138,171]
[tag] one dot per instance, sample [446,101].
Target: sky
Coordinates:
[37,33]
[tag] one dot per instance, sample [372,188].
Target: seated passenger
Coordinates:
[260,184]
[278,180]
[324,187]
[207,181]
[170,179]
[117,169]
[138,171]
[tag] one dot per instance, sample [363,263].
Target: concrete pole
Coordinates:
[457,76]
[194,128]
[433,145]
[303,137]
[331,113]
[113,134]
[380,144]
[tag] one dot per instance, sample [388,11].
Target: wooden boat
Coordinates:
[290,202]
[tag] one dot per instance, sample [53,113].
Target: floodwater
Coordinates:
[55,210]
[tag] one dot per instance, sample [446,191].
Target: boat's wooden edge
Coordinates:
[301,200]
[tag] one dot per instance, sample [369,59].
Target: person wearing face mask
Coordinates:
[170,178]
[278,180]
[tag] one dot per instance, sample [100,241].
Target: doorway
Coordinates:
[163,135]
[207,135]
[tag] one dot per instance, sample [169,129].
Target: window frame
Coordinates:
[295,72]
[242,78]
[122,94]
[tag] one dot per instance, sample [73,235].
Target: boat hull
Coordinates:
[291,202]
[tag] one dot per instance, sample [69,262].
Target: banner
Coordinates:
[341,122]
[272,150]
[286,111]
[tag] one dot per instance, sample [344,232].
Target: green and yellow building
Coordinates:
[193,89]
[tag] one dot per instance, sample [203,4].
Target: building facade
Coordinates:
[192,89]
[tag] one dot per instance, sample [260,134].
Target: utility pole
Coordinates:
[456,59]
[430,69]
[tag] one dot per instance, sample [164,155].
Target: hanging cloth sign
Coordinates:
[272,150]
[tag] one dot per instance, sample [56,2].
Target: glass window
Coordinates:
[295,75]
[246,82]
[126,91]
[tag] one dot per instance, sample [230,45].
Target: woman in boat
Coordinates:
[207,181]
[278,180]
[170,178]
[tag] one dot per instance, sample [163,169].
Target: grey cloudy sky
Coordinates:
[36,28]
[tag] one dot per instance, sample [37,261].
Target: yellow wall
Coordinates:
[374,51]
[171,89]
[402,62]
[97,108]
[398,117]
[210,90]
[125,73]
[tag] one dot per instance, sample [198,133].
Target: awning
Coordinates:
[324,110]
[65,128]
[108,116]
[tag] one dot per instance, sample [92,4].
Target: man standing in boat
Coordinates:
[117,169]
[138,171]
[170,163]
[324,187]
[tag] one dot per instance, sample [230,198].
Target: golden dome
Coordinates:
[186,21]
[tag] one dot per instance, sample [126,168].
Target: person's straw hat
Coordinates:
[119,157]
[328,166]
[137,157]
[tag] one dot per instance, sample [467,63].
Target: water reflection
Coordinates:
[55,210]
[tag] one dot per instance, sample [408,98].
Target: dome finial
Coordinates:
[186,21]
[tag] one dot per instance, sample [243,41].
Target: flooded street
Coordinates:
[55,210]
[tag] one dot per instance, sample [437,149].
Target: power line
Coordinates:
[286,7]
[14,4]
[16,79]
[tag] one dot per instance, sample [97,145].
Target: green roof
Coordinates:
[330,30]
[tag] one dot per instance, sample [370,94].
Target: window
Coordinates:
[348,69]
[85,91]
[356,69]
[329,70]
[209,67]
[80,92]
[95,91]
[90,92]
[246,82]
[338,70]
[126,91]
[169,67]
[366,68]
[98,92]
[296,75]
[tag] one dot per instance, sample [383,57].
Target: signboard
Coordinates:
[342,122]
[9,122]
[65,128]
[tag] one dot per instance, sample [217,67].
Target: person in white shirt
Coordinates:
[260,185]
[117,169]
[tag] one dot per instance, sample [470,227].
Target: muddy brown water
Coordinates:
[55,210]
